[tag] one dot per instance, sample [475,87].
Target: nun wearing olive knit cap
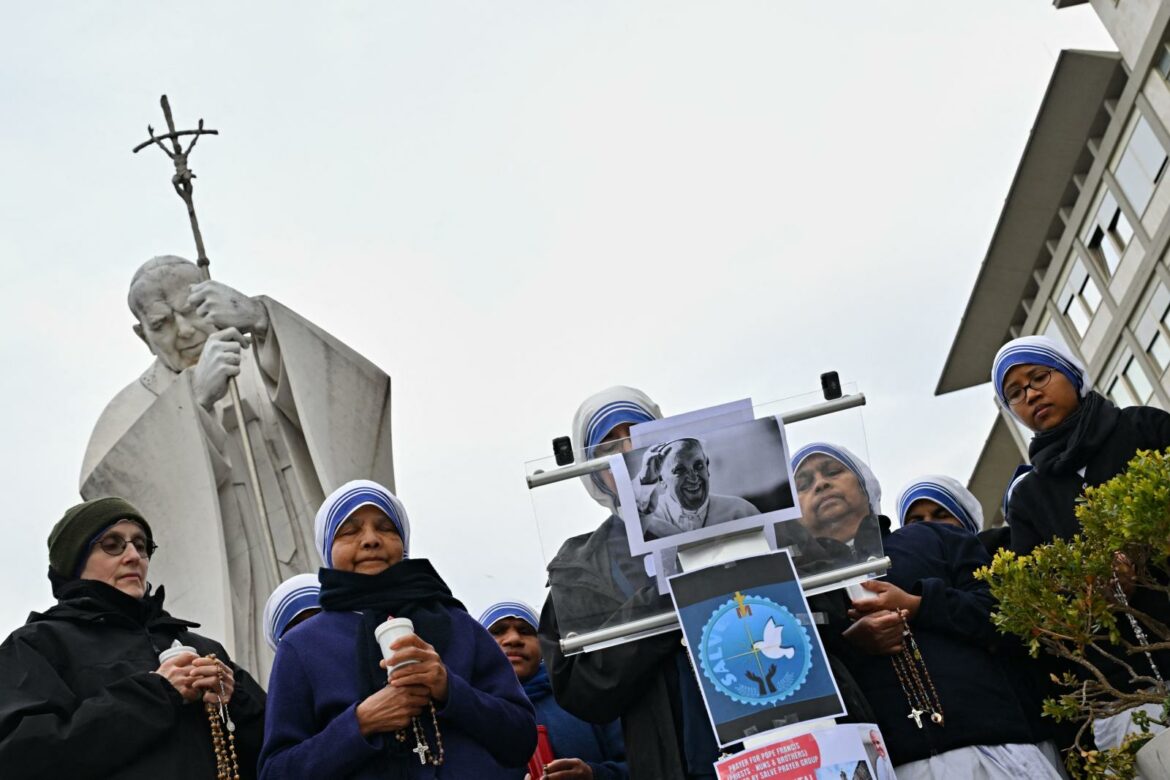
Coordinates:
[74,534]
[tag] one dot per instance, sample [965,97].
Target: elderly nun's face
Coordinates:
[1044,408]
[685,475]
[367,542]
[926,511]
[832,500]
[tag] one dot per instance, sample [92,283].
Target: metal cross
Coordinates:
[916,716]
[421,749]
[184,186]
[182,180]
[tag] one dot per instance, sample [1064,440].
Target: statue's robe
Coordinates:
[318,415]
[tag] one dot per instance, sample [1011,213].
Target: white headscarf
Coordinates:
[1040,351]
[946,492]
[291,597]
[599,414]
[346,500]
[860,469]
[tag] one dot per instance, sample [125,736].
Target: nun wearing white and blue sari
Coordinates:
[577,748]
[840,502]
[648,684]
[294,601]
[451,708]
[935,498]
[980,729]
[1080,439]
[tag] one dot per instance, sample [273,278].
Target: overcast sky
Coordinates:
[508,206]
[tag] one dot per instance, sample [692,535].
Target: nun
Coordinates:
[1079,439]
[573,748]
[840,502]
[935,498]
[294,601]
[920,643]
[648,684]
[445,703]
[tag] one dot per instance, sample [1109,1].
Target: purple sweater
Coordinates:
[311,727]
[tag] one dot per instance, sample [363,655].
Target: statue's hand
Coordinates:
[227,307]
[218,363]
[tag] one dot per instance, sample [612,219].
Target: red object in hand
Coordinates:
[543,755]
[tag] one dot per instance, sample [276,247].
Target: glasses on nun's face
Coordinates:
[114,545]
[1040,379]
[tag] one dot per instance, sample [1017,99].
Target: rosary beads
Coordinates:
[227,765]
[913,676]
[421,747]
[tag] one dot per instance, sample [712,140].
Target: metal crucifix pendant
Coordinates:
[421,749]
[916,716]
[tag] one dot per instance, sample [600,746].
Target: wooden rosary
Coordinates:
[227,764]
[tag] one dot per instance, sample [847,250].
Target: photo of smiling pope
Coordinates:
[690,488]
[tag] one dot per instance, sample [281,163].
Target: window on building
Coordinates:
[1130,386]
[1153,328]
[1141,166]
[1162,61]
[1079,298]
[1109,234]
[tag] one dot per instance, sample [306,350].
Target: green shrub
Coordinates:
[1063,599]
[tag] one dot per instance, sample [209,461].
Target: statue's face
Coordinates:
[166,320]
[685,475]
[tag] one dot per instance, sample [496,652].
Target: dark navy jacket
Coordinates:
[599,746]
[311,729]
[954,632]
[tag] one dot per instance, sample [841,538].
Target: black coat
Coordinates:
[78,697]
[954,632]
[1042,504]
[635,681]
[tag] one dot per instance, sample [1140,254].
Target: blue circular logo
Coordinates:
[754,651]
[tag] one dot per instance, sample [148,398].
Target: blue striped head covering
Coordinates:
[861,469]
[291,598]
[509,609]
[599,414]
[1040,351]
[946,492]
[346,500]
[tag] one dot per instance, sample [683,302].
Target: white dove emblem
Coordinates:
[770,644]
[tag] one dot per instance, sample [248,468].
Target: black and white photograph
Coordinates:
[691,488]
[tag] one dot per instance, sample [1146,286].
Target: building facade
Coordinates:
[1081,249]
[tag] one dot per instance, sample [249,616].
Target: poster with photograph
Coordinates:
[756,652]
[691,488]
[836,753]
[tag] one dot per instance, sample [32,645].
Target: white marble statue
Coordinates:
[318,415]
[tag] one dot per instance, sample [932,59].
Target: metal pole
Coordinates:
[541,478]
[184,186]
[668,621]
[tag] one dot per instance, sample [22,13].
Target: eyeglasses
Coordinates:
[115,544]
[1037,381]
